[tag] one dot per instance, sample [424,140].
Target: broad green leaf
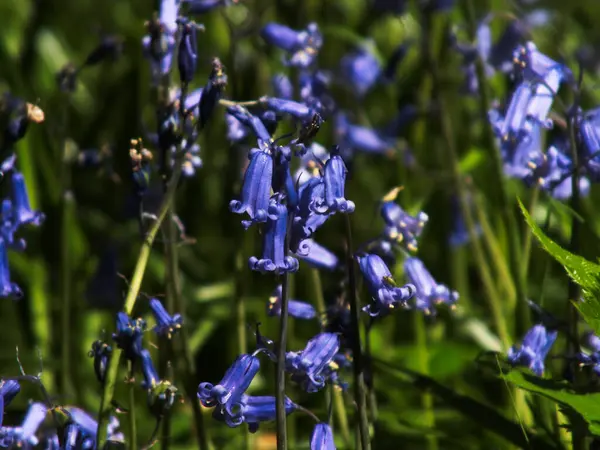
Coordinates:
[585,273]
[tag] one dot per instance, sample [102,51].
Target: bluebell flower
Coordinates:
[204,6]
[250,121]
[88,426]
[590,340]
[228,392]
[274,258]
[282,86]
[25,435]
[322,438]
[187,55]
[166,325]
[306,220]
[384,291]
[533,351]
[9,225]
[318,256]
[517,157]
[314,91]
[429,293]
[532,65]
[253,410]
[7,287]
[217,81]
[256,188]
[308,366]
[501,55]
[9,389]
[73,439]
[400,227]
[310,162]
[301,47]
[129,335]
[101,352]
[296,308]
[151,378]
[159,44]
[588,128]
[334,179]
[362,139]
[295,109]
[361,70]
[23,213]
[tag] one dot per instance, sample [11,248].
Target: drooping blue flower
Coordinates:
[217,81]
[282,86]
[532,65]
[151,378]
[533,351]
[256,188]
[166,325]
[25,435]
[9,225]
[322,438]
[73,439]
[187,55]
[302,47]
[7,287]
[429,293]
[274,258]
[253,410]
[589,339]
[101,352]
[400,227]
[9,389]
[88,426]
[334,179]
[501,55]
[228,392]
[384,291]
[23,214]
[295,109]
[296,308]
[318,256]
[306,220]
[249,121]
[588,127]
[204,6]
[308,366]
[129,335]
[314,91]
[361,70]
[159,44]
[360,138]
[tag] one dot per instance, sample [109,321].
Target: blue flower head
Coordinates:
[282,86]
[401,227]
[129,335]
[248,121]
[187,55]
[306,219]
[217,81]
[297,110]
[88,426]
[296,308]
[30,425]
[274,258]
[151,378]
[502,53]
[362,139]
[532,65]
[590,340]
[101,352]
[9,389]
[429,292]
[7,287]
[256,188]
[322,438]
[228,392]
[254,410]
[361,70]
[23,214]
[318,256]
[159,44]
[533,351]
[382,287]
[302,47]
[308,367]
[9,225]
[334,179]
[204,6]
[166,325]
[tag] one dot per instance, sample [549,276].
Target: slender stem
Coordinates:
[508,216]
[67,204]
[338,396]
[132,425]
[578,434]
[280,376]
[359,380]
[132,294]
[423,362]
[528,233]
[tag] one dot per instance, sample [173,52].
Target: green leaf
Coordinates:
[472,160]
[585,273]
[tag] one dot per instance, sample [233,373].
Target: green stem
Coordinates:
[423,364]
[508,216]
[359,380]
[280,375]
[528,234]
[132,425]
[132,294]
[67,204]
[338,397]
